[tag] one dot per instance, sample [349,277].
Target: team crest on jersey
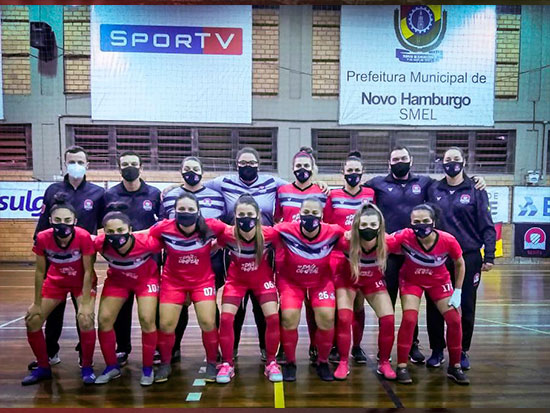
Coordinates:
[88,205]
[207,202]
[465,199]
[75,252]
[147,205]
[416,189]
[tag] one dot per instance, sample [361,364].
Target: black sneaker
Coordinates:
[464,361]
[313,355]
[33,365]
[122,358]
[403,375]
[436,359]
[378,357]
[324,373]
[415,356]
[358,355]
[211,373]
[281,358]
[456,374]
[176,357]
[263,355]
[334,356]
[289,372]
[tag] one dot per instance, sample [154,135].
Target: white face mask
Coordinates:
[76,171]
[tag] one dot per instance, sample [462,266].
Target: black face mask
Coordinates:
[453,168]
[353,179]
[62,230]
[186,219]
[422,230]
[246,223]
[400,169]
[130,173]
[117,241]
[310,222]
[248,173]
[302,175]
[191,178]
[368,234]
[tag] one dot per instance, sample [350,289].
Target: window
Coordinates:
[487,151]
[15,147]
[164,147]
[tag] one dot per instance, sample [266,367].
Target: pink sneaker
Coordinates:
[384,369]
[273,372]
[342,371]
[225,374]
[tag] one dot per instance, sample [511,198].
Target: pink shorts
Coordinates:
[435,289]
[367,286]
[172,293]
[57,292]
[293,296]
[148,287]
[234,291]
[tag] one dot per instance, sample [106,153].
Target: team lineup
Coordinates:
[256,237]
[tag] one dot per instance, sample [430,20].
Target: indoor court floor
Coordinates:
[510,360]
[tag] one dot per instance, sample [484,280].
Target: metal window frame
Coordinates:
[27,134]
[155,162]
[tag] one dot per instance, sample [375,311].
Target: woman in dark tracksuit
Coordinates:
[465,213]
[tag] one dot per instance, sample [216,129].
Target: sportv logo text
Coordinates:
[171,39]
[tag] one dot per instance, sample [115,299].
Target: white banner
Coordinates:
[1,84]
[172,63]
[531,204]
[417,65]
[499,200]
[23,200]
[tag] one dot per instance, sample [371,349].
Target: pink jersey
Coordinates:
[307,262]
[136,264]
[66,268]
[369,267]
[289,201]
[341,206]
[243,267]
[419,261]
[187,257]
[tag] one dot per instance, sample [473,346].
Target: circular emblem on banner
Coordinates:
[147,205]
[534,239]
[465,199]
[416,189]
[88,204]
[420,19]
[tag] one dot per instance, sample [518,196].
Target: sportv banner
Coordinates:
[417,65]
[531,240]
[531,204]
[172,63]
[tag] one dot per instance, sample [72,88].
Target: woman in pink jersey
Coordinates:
[289,202]
[305,273]
[132,269]
[426,250]
[250,246]
[341,207]
[64,264]
[187,274]
[366,253]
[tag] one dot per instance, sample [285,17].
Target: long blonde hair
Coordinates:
[246,199]
[367,209]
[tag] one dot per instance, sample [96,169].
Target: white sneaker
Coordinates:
[110,373]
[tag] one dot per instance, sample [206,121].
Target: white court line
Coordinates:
[15,320]
[515,326]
